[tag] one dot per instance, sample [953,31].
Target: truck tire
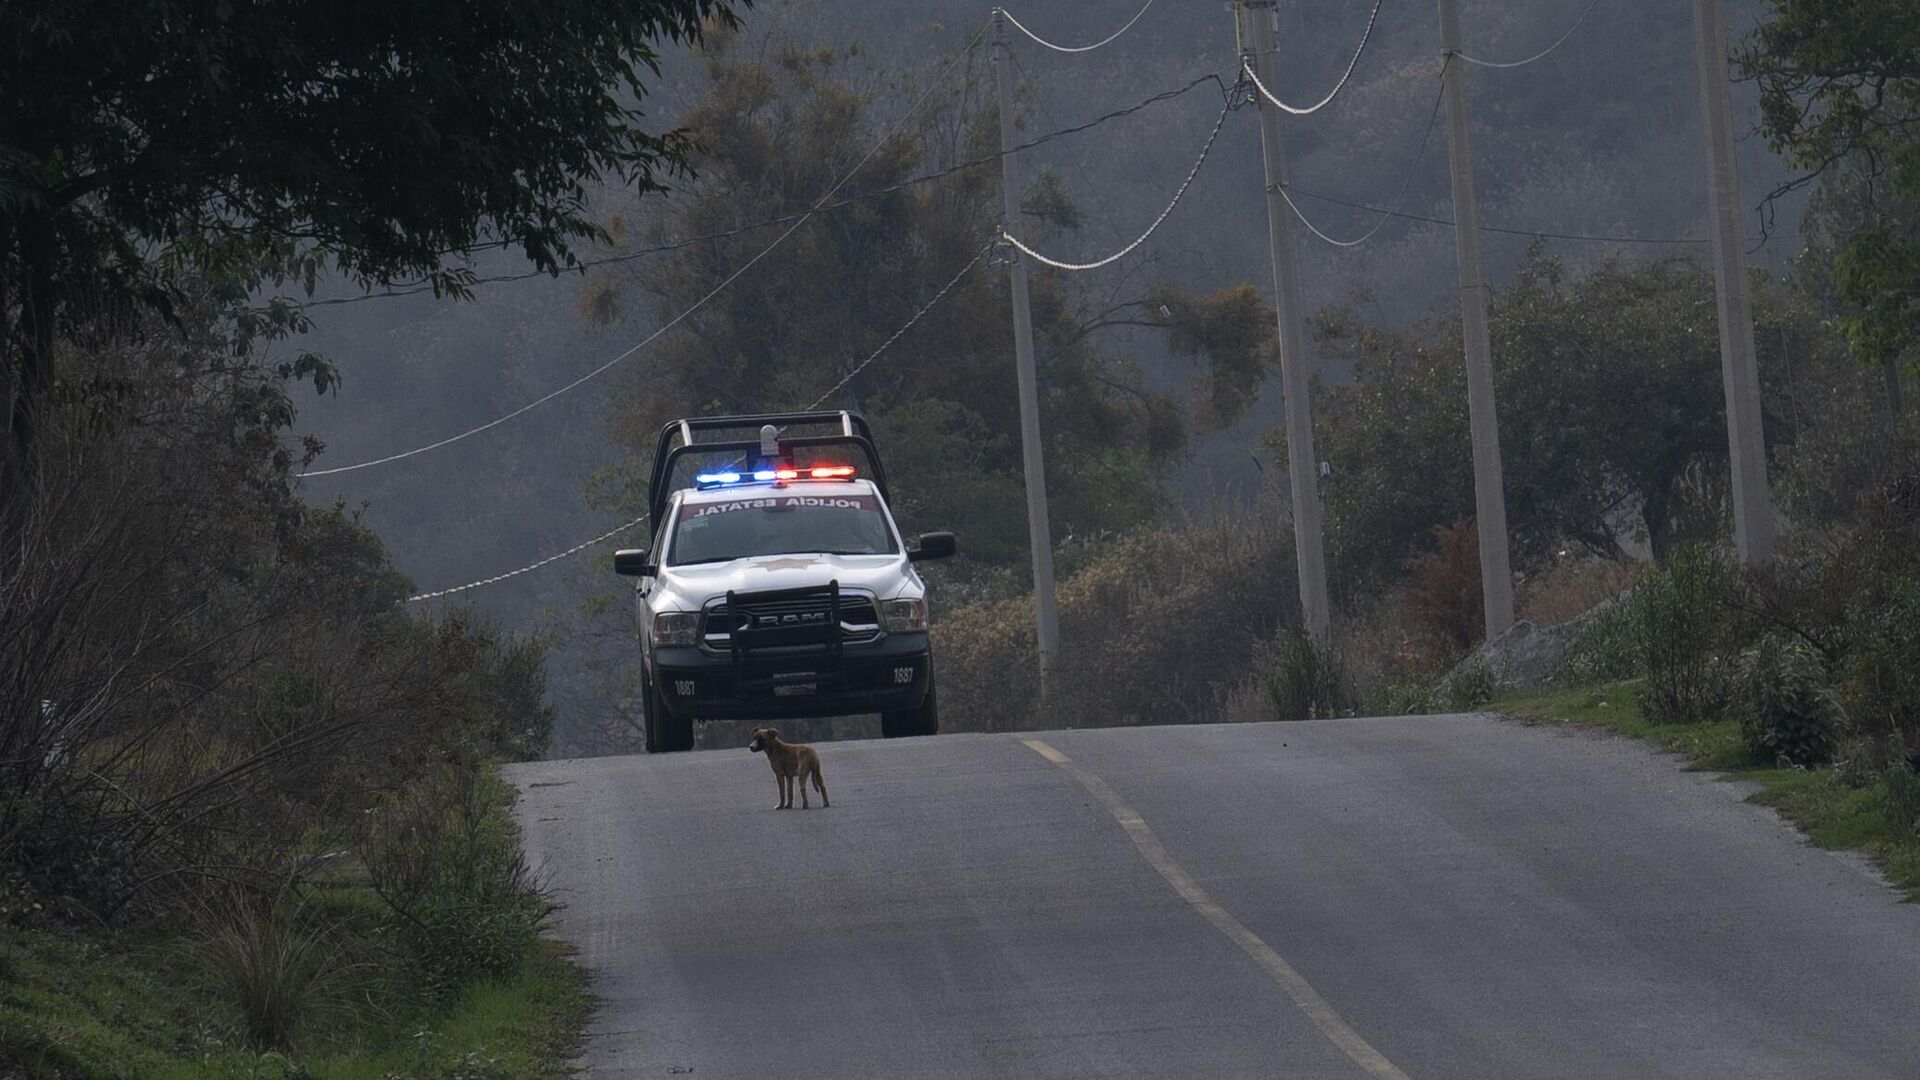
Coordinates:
[924,720]
[666,733]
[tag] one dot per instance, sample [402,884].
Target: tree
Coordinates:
[1611,414]
[1840,99]
[777,128]
[144,143]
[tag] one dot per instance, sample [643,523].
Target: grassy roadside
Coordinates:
[81,1004]
[78,1006]
[1822,802]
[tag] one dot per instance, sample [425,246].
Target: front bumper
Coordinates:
[886,675]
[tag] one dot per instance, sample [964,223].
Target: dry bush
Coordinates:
[1571,587]
[1440,598]
[1154,630]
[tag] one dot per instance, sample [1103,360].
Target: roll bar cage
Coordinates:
[854,432]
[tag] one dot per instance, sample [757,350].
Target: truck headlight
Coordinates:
[676,627]
[904,615]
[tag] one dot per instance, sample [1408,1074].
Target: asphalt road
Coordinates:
[1424,897]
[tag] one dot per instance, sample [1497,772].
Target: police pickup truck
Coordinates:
[777,584]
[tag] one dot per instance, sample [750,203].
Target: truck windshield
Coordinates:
[780,523]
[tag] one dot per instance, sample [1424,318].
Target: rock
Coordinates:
[1528,655]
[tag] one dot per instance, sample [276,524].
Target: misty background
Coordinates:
[1600,138]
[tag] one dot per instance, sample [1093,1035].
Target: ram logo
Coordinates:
[803,618]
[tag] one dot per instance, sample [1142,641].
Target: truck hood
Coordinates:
[887,576]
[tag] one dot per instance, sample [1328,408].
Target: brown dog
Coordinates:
[790,762]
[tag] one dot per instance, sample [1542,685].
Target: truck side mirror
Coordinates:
[933,545]
[633,562]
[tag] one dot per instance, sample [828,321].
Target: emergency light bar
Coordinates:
[817,472]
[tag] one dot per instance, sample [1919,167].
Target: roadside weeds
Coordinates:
[1833,809]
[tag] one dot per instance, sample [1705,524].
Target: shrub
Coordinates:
[1303,679]
[444,858]
[1472,686]
[1788,710]
[1682,617]
[275,963]
[1883,678]
[1605,646]
[1408,698]
[1153,627]
[1440,598]
[1571,586]
[1903,797]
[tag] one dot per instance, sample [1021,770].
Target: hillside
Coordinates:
[1600,138]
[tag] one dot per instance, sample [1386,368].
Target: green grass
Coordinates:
[1820,802]
[79,1006]
[82,1005]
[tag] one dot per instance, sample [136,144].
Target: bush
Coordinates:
[1408,698]
[1471,687]
[445,860]
[1605,646]
[1682,617]
[1788,710]
[275,963]
[1441,598]
[1903,797]
[1883,678]
[1153,628]
[1303,679]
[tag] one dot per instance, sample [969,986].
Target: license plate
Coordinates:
[805,689]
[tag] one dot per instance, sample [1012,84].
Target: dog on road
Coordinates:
[791,763]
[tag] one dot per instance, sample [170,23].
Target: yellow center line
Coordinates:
[1304,996]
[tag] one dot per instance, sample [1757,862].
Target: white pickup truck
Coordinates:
[777,584]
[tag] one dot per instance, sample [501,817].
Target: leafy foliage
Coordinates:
[1787,707]
[203,670]
[1840,99]
[1303,679]
[1153,626]
[150,147]
[1687,641]
[1884,669]
[1474,685]
[1610,415]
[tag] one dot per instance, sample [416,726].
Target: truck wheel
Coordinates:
[666,733]
[924,720]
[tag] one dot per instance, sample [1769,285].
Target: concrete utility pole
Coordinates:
[1746,441]
[1039,533]
[1302,465]
[1489,486]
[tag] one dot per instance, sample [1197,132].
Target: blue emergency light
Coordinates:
[817,472]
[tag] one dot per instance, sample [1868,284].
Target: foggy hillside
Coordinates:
[1600,138]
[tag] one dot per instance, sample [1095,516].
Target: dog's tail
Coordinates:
[819,784]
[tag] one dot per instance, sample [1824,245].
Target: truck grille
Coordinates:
[858,619]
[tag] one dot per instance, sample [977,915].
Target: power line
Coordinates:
[1498,229]
[1372,18]
[932,85]
[1108,40]
[906,326]
[530,567]
[1142,238]
[1562,40]
[1406,182]
[416,288]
